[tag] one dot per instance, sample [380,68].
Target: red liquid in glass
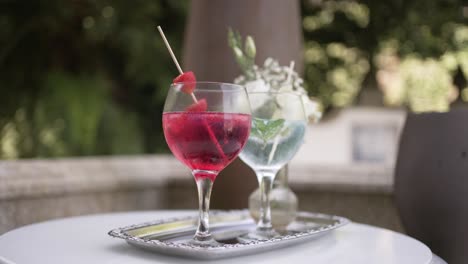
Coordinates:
[206,141]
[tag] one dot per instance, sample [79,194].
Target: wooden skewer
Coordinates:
[170,50]
[194,98]
[176,62]
[291,69]
[277,138]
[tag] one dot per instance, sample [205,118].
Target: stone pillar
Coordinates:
[276,28]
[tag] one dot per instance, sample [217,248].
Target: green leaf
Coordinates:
[266,129]
[231,38]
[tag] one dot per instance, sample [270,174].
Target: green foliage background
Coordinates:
[85,77]
[89,77]
[343,39]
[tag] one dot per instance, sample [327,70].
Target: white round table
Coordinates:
[84,239]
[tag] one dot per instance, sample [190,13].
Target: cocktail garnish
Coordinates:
[188,78]
[199,106]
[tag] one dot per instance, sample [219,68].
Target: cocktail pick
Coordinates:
[291,69]
[198,106]
[183,76]
[277,138]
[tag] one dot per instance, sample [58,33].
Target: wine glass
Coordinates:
[206,125]
[278,126]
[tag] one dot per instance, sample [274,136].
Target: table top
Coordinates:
[84,240]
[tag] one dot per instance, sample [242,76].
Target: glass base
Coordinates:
[204,242]
[258,235]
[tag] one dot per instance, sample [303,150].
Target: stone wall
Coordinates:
[39,190]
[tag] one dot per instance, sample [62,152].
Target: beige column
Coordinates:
[276,28]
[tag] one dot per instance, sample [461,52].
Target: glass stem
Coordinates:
[281,179]
[266,183]
[204,185]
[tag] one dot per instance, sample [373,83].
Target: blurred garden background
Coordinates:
[89,77]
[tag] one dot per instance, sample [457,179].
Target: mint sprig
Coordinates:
[266,129]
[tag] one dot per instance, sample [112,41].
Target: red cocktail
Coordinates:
[206,141]
[206,125]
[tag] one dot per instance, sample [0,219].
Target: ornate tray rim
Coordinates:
[147,243]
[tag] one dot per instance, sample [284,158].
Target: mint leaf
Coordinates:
[266,129]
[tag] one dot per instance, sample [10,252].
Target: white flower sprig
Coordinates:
[271,76]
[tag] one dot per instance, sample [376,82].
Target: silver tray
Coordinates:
[170,236]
